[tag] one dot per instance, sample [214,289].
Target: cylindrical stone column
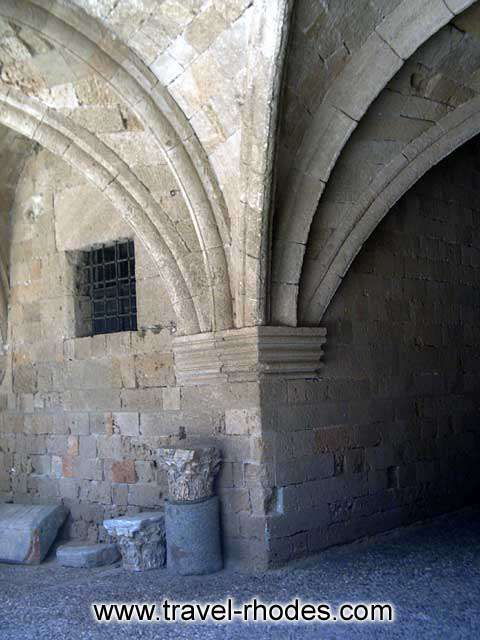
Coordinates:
[192,518]
[193,537]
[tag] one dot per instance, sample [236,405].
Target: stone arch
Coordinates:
[252,235]
[14,150]
[389,45]
[71,29]
[112,177]
[390,185]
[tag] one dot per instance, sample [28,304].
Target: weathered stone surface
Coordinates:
[412,23]
[248,353]
[193,537]
[190,472]
[87,556]
[180,158]
[28,531]
[123,471]
[141,539]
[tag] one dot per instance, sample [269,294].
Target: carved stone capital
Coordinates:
[141,539]
[251,353]
[190,472]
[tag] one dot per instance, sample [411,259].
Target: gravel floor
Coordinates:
[430,572]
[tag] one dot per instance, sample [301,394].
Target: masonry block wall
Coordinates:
[82,417]
[390,431]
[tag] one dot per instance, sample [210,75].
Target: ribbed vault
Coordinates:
[192,245]
[329,98]
[388,105]
[428,110]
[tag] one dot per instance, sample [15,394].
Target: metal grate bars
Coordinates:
[109,276]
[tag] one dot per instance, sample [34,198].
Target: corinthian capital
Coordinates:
[190,472]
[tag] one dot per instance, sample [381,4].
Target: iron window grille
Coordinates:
[108,277]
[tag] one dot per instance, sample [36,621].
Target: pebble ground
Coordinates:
[430,572]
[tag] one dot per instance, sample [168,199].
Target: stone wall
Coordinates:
[390,432]
[170,110]
[385,436]
[83,416]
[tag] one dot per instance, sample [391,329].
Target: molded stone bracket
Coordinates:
[251,353]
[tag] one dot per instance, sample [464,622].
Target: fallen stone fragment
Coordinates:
[141,538]
[28,531]
[87,555]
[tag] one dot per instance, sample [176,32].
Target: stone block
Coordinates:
[56,467]
[72,446]
[171,398]
[205,28]
[88,447]
[57,445]
[371,68]
[333,438]
[67,466]
[355,461]
[127,424]
[25,379]
[412,23]
[126,366]
[243,421]
[154,370]
[144,495]
[97,423]
[77,423]
[166,68]
[141,399]
[28,531]
[93,374]
[95,491]
[35,444]
[120,494]
[123,471]
[457,6]
[39,424]
[92,400]
[145,471]
[110,447]
[235,500]
[86,469]
[87,556]
[41,464]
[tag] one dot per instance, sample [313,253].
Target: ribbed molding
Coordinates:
[250,353]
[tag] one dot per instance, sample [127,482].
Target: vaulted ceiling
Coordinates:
[253,146]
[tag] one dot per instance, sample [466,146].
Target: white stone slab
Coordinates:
[129,525]
[87,555]
[28,531]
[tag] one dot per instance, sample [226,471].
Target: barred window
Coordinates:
[108,281]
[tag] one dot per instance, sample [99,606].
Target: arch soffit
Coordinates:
[84,37]
[112,177]
[391,43]
[390,185]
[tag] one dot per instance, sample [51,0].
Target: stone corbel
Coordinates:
[251,353]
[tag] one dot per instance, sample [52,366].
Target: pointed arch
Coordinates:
[384,52]
[114,180]
[402,172]
[70,28]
